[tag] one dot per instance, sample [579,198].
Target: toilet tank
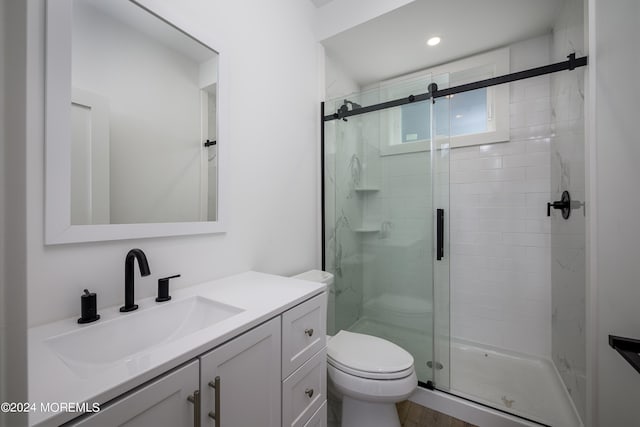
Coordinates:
[326,278]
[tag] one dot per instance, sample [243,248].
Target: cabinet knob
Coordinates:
[309,331]
[309,392]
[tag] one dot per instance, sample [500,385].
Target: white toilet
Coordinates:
[369,374]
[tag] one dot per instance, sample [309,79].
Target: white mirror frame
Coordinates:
[58,228]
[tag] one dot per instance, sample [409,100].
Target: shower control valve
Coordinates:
[564,204]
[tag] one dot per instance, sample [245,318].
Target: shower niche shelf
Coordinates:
[367,230]
[628,348]
[366,190]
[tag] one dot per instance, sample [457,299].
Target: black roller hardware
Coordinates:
[570,64]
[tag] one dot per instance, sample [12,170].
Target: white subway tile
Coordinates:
[539,159]
[512,174]
[476,164]
[538,145]
[486,238]
[538,172]
[502,148]
[464,153]
[498,200]
[527,239]
[537,225]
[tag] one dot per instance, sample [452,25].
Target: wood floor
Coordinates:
[414,415]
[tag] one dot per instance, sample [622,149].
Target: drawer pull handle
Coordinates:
[195,399]
[309,392]
[215,384]
[309,331]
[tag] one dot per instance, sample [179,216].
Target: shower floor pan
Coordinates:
[516,383]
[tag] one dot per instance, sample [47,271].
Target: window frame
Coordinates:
[497,104]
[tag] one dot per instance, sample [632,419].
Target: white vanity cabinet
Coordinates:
[304,363]
[163,402]
[240,380]
[273,375]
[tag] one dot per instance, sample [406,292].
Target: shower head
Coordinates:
[344,108]
[353,104]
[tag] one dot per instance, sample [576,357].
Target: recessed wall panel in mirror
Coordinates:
[143,105]
[132,132]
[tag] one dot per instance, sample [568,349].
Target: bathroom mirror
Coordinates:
[133,147]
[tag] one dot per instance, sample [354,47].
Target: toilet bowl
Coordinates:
[370,375]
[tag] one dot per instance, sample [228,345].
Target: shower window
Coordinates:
[476,117]
[468,112]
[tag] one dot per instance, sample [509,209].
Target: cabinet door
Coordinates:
[319,419]
[248,371]
[161,403]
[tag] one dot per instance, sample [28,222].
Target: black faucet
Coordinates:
[128,277]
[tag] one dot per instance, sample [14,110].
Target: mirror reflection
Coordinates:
[143,122]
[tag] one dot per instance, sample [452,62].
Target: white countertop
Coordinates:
[261,296]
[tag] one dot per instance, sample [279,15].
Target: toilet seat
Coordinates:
[370,375]
[370,357]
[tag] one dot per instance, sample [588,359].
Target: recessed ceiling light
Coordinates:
[433,41]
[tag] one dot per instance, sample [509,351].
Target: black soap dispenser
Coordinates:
[89,307]
[163,288]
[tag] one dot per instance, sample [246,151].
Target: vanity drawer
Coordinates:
[319,419]
[304,332]
[304,392]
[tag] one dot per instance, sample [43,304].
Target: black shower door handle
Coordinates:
[439,234]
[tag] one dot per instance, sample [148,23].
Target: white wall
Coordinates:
[338,83]
[500,236]
[154,104]
[340,15]
[272,123]
[615,173]
[13,374]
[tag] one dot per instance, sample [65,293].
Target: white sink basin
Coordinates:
[128,338]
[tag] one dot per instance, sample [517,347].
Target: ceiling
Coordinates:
[395,43]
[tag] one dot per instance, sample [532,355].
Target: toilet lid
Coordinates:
[367,354]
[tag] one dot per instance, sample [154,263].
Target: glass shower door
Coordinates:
[385,179]
[440,162]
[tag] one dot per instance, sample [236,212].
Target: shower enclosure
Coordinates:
[386,222]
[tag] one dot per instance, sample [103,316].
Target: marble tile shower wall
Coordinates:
[500,235]
[343,213]
[568,262]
